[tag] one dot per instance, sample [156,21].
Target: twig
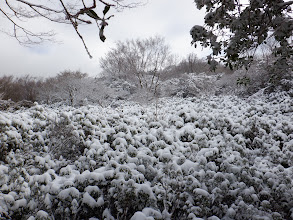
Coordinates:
[75,28]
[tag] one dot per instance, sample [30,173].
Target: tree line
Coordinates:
[141,63]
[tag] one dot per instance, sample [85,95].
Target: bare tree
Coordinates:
[19,89]
[143,58]
[67,85]
[192,64]
[68,12]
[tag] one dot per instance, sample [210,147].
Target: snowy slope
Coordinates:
[204,158]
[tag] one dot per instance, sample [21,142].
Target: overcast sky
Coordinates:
[171,19]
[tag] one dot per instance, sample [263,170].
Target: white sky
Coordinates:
[171,19]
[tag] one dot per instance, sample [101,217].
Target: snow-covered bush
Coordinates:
[189,85]
[216,157]
[257,77]
[144,60]
[65,139]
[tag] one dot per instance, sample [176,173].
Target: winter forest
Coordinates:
[154,135]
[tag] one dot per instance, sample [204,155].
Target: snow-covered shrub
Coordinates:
[218,157]
[257,77]
[5,104]
[65,141]
[8,105]
[188,85]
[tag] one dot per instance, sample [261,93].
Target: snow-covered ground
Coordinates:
[202,158]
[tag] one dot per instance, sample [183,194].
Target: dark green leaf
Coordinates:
[106,9]
[93,14]
[230,66]
[101,34]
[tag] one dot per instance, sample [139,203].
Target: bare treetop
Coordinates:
[74,13]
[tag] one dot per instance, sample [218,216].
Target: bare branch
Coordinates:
[28,34]
[40,6]
[80,12]
[75,28]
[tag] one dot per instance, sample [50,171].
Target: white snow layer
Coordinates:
[202,158]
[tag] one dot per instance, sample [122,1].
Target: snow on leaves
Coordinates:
[206,158]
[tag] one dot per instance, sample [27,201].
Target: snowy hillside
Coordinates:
[201,158]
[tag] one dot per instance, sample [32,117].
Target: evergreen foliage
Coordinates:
[234,29]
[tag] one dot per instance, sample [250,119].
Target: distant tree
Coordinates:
[47,91]
[266,51]
[5,86]
[74,88]
[144,59]
[234,29]
[68,74]
[192,64]
[66,86]
[74,13]
[19,89]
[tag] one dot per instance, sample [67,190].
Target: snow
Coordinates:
[201,192]
[9,199]
[18,204]
[3,169]
[217,157]
[71,192]
[42,214]
[140,216]
[87,199]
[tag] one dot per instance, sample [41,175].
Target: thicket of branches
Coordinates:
[143,59]
[18,89]
[191,63]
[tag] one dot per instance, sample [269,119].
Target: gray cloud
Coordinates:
[171,19]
